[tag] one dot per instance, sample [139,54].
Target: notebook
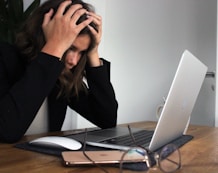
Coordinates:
[175,115]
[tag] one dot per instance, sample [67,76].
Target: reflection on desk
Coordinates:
[200,155]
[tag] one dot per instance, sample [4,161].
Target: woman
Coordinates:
[56,49]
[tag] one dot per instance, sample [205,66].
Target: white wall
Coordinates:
[144,40]
[216,108]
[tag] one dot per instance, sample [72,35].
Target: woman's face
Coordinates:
[74,53]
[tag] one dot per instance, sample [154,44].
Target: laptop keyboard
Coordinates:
[142,138]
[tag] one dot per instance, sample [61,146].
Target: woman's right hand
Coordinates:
[61,30]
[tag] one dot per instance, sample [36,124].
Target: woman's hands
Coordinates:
[93,56]
[61,30]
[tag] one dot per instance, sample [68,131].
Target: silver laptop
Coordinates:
[175,115]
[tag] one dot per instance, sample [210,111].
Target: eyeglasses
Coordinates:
[167,159]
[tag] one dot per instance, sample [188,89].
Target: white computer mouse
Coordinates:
[57,141]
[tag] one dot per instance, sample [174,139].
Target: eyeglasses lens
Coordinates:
[169,159]
[133,155]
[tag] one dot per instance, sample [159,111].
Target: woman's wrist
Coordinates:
[94,60]
[57,52]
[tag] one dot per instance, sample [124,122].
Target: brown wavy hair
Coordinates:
[30,40]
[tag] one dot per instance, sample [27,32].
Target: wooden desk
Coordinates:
[198,156]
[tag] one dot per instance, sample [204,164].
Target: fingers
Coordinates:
[62,8]
[97,17]
[68,11]
[60,11]
[47,17]
[97,20]
[78,14]
[84,23]
[72,13]
[73,10]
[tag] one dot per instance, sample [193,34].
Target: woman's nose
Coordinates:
[73,58]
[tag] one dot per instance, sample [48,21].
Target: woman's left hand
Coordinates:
[93,53]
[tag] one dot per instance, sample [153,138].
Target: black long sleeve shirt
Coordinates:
[23,88]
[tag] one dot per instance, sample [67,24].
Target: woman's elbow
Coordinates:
[111,117]
[10,135]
